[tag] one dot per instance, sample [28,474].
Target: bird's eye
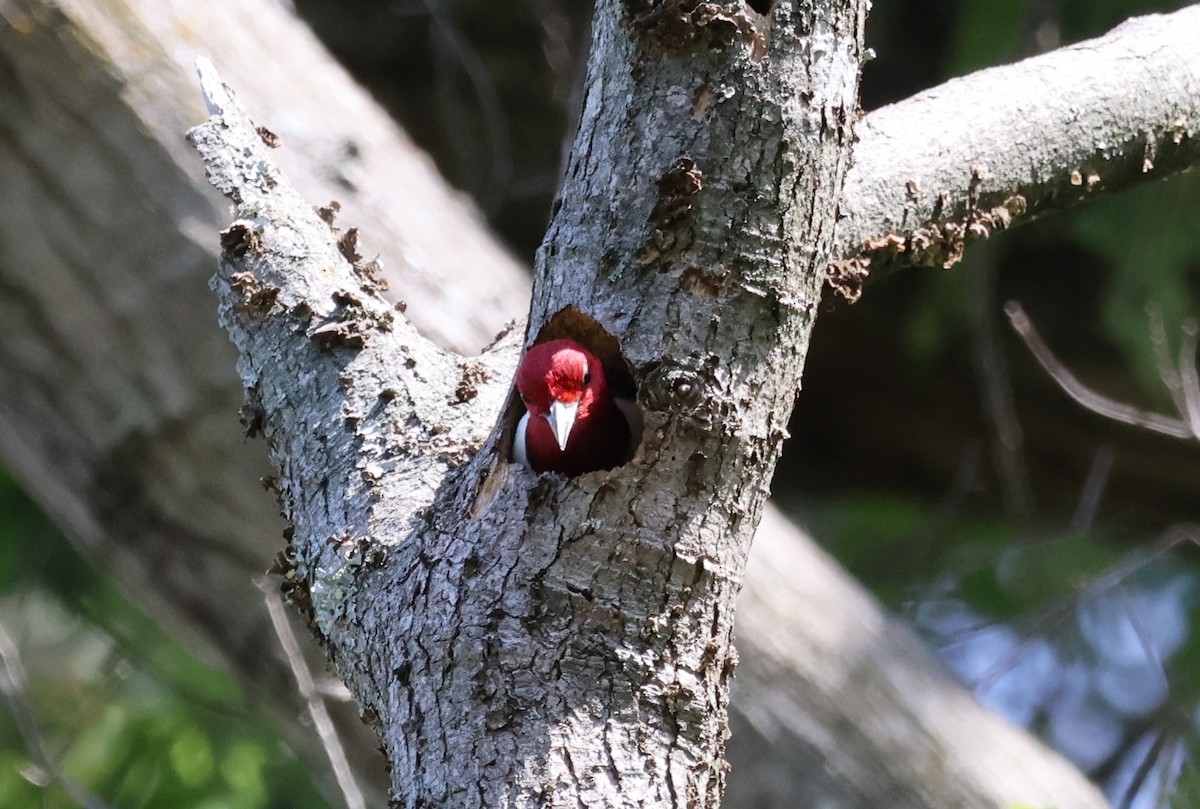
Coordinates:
[587,378]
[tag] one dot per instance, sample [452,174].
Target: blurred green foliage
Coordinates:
[123,711]
[1187,790]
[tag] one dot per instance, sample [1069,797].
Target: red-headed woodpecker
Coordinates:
[573,423]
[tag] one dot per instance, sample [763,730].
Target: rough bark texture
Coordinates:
[121,422]
[1040,135]
[525,640]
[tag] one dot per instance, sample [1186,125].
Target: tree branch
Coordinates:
[787,578]
[910,734]
[117,395]
[13,686]
[1005,145]
[1088,398]
[363,415]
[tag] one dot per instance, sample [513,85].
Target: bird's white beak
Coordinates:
[562,419]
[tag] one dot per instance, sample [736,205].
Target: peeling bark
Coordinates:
[118,398]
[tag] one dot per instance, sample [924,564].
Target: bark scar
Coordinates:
[677,25]
[673,218]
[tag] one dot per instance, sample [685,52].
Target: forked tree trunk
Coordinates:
[526,640]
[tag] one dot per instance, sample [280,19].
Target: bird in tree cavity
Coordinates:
[573,423]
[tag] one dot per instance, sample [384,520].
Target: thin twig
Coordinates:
[1061,610]
[12,683]
[312,697]
[1188,379]
[1093,489]
[1162,358]
[965,481]
[557,47]
[1097,403]
[1145,640]
[991,370]
[1169,540]
[1143,770]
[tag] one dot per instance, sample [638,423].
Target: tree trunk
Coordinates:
[551,641]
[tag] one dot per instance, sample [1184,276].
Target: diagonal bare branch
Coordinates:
[1189,382]
[1167,372]
[1096,402]
[312,696]
[13,686]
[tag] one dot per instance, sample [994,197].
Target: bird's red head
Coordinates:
[560,370]
[559,381]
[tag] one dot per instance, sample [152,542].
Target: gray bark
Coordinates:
[130,447]
[523,640]
[516,604]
